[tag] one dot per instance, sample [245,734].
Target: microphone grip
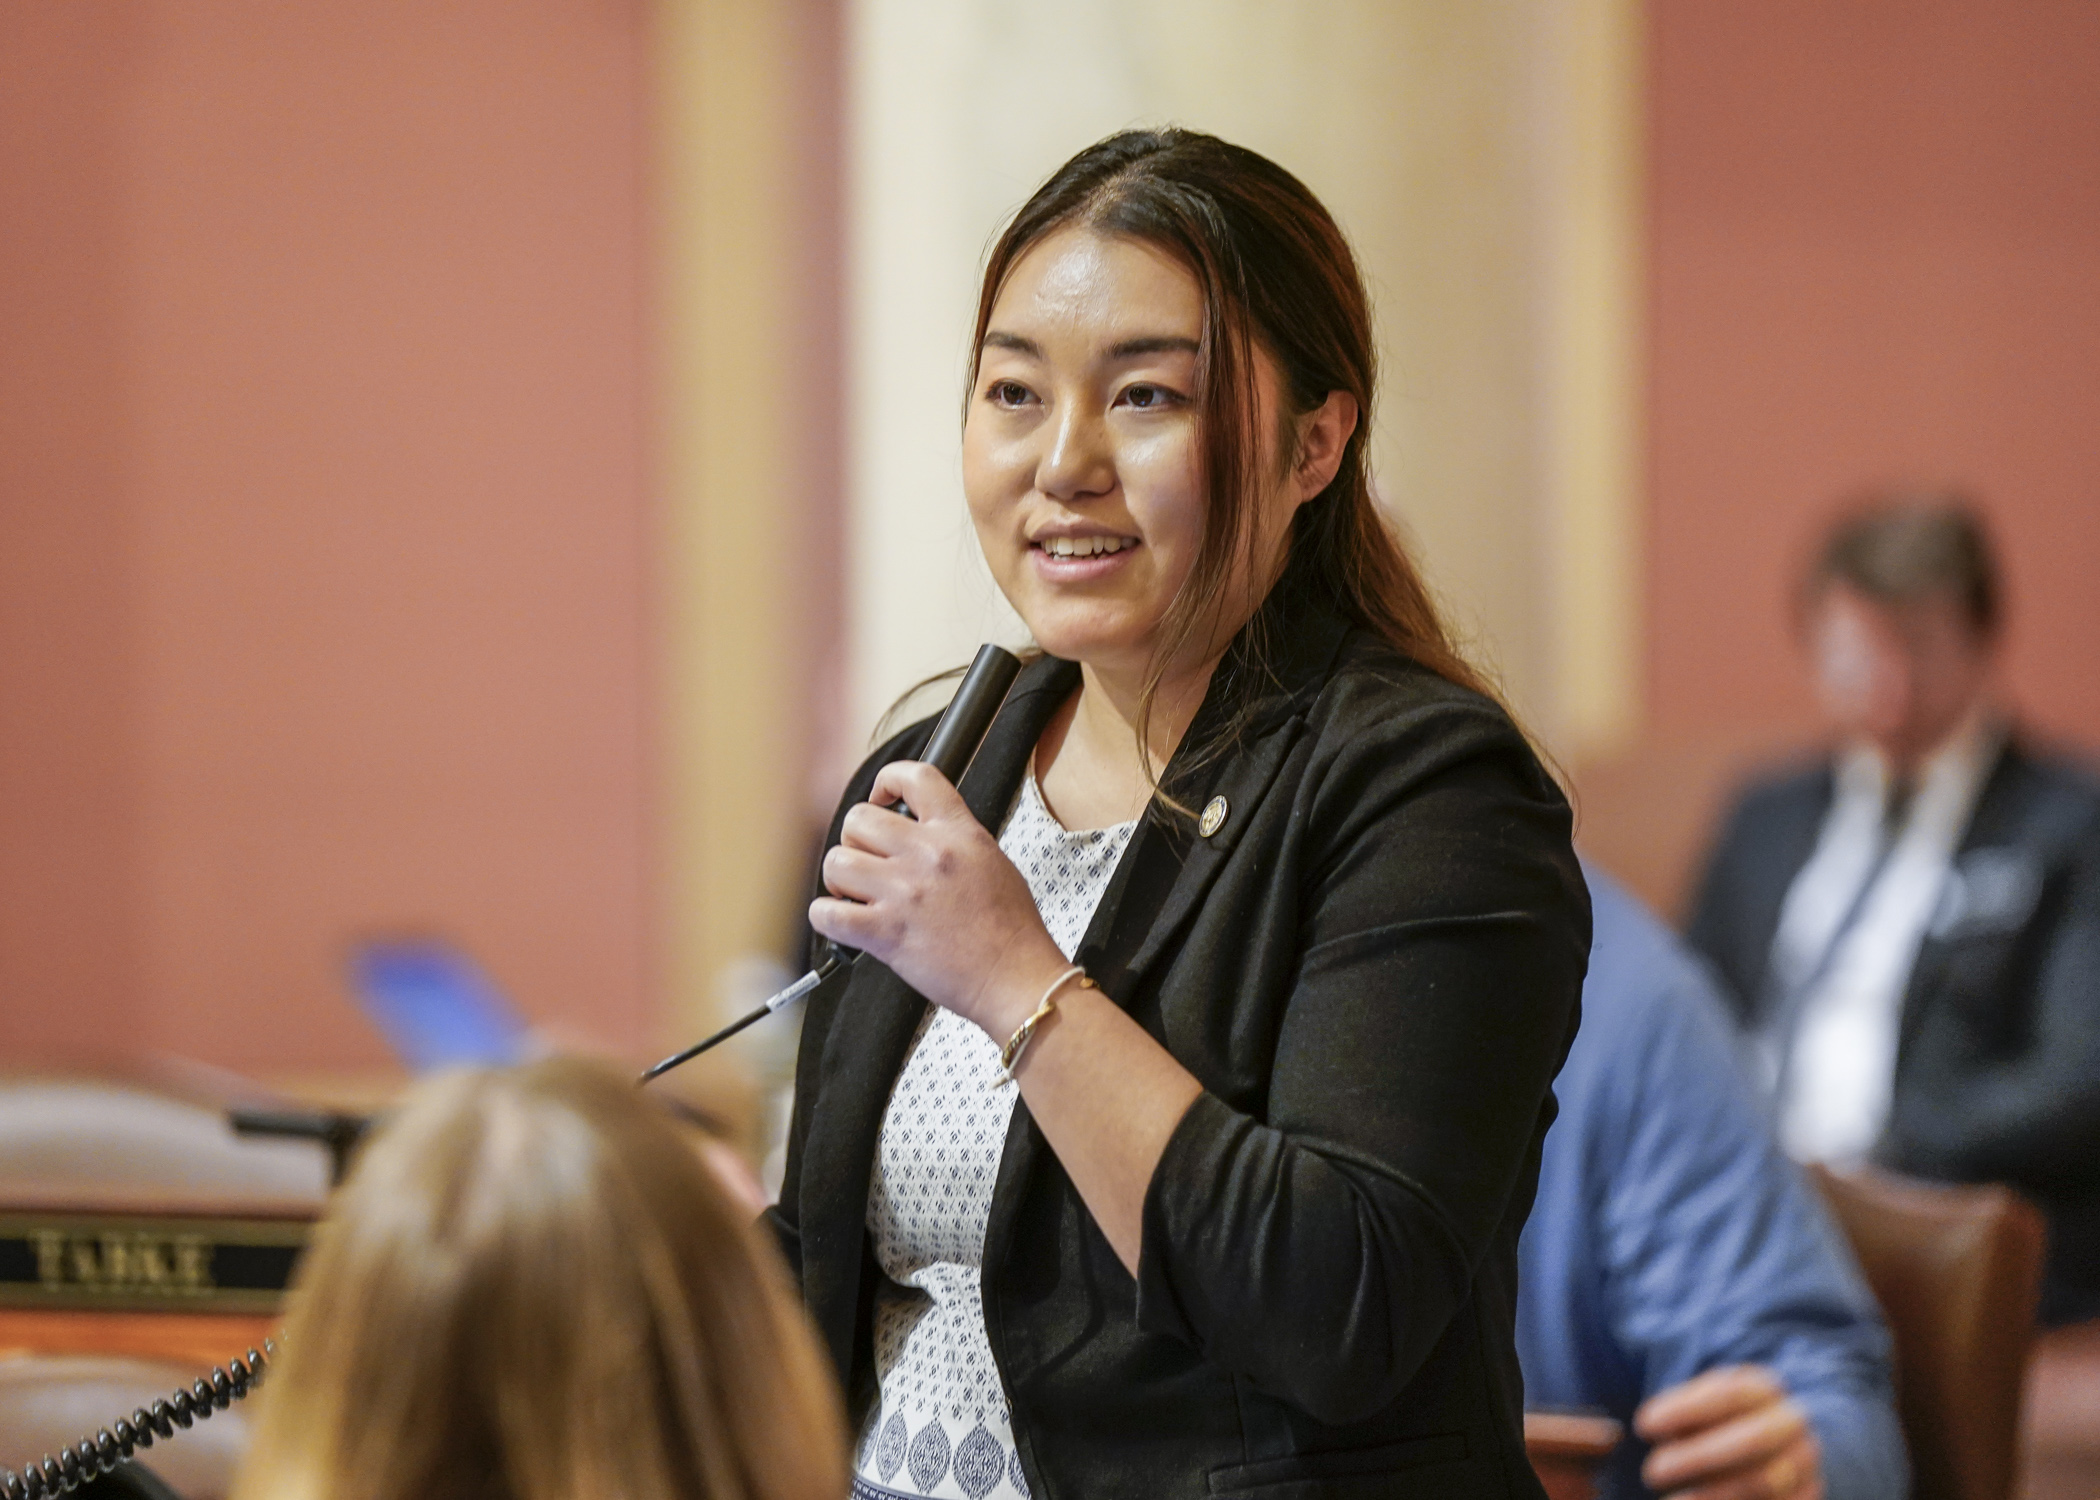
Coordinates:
[961,730]
[958,733]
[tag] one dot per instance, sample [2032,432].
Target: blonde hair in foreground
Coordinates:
[532,1288]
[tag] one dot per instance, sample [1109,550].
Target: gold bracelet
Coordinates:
[1010,1054]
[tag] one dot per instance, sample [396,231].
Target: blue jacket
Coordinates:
[1670,1235]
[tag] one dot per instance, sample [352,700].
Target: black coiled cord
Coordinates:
[95,1456]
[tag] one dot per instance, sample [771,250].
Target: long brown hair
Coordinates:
[1275,272]
[531,1288]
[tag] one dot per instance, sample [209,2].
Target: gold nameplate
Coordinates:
[147,1263]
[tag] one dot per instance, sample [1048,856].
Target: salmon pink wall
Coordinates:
[68,793]
[1875,254]
[323,528]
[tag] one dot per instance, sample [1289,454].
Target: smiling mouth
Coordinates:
[1084,546]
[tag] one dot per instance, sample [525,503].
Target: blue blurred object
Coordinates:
[434,1005]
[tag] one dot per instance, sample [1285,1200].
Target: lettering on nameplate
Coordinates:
[147,1263]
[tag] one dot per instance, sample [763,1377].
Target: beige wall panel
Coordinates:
[1591,168]
[748,433]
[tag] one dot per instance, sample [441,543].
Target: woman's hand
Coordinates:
[937,901]
[940,903]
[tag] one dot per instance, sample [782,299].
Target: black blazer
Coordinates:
[1373,967]
[1998,1050]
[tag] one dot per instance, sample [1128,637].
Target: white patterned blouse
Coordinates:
[942,1430]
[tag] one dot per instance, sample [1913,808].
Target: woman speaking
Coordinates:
[1179,1141]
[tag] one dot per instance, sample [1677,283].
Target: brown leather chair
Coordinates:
[1957,1271]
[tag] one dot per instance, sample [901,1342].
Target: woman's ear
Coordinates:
[1323,437]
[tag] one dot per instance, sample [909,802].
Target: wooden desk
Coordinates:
[192,1340]
[1567,1451]
[191,1283]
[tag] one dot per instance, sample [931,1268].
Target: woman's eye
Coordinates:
[1006,393]
[1147,397]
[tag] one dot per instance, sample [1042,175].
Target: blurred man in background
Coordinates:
[1911,927]
[1677,1272]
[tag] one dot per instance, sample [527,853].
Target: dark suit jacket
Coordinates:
[1373,967]
[1998,1052]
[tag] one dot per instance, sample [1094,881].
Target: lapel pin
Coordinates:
[1213,816]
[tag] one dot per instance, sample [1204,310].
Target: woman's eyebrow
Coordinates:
[997,340]
[1127,349]
[1158,344]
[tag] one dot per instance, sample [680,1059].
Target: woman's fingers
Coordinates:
[878,830]
[854,874]
[919,787]
[847,923]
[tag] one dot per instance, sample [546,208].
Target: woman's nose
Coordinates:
[1078,463]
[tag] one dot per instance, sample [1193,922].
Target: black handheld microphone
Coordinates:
[955,740]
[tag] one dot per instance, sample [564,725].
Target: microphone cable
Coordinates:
[94,1456]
